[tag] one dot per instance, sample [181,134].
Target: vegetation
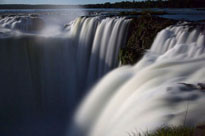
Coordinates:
[141,35]
[199,130]
[123,4]
[173,131]
[151,4]
[45,6]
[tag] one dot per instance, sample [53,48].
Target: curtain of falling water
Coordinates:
[43,76]
[153,93]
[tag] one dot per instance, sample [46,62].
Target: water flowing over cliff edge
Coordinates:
[45,71]
[165,88]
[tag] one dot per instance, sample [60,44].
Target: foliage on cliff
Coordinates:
[122,4]
[173,131]
[141,35]
[199,130]
[151,4]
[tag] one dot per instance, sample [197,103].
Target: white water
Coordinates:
[150,94]
[43,75]
[22,23]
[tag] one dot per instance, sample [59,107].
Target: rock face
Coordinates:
[141,35]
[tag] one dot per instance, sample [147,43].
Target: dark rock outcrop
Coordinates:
[141,35]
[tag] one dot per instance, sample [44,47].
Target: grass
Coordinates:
[173,131]
[168,131]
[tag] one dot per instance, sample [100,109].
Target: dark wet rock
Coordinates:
[33,15]
[192,86]
[199,86]
[11,15]
[141,35]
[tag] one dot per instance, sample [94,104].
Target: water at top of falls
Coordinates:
[93,42]
[38,20]
[191,14]
[162,89]
[44,73]
[46,70]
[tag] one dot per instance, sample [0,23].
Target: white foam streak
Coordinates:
[151,93]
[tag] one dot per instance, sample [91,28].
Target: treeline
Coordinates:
[152,4]
[23,6]
[123,4]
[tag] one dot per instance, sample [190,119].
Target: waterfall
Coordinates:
[43,75]
[165,88]
[22,23]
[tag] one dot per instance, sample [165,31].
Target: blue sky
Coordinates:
[55,1]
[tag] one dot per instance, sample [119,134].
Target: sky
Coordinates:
[69,2]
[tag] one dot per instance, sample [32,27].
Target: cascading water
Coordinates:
[165,88]
[44,75]
[22,23]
